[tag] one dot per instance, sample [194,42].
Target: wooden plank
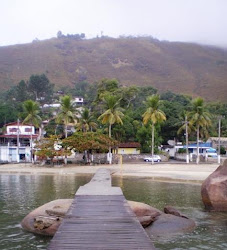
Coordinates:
[100,222]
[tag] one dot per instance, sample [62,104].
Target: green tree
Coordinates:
[106,87]
[67,113]
[31,113]
[86,121]
[50,148]
[200,118]
[7,114]
[41,87]
[88,141]
[22,92]
[154,115]
[113,113]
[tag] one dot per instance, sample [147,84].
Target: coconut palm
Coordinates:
[112,114]
[67,113]
[154,115]
[31,111]
[86,122]
[200,118]
[186,128]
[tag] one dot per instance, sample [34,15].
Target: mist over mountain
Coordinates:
[184,68]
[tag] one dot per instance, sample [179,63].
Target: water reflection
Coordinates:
[20,194]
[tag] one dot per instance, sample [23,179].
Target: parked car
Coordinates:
[156,158]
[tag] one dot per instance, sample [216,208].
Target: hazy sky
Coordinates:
[202,21]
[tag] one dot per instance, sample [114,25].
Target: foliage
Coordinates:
[88,141]
[113,113]
[182,150]
[222,150]
[199,117]
[7,114]
[41,87]
[67,112]
[48,148]
[86,121]
[31,113]
[52,128]
[154,115]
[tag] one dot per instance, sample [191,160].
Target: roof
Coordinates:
[18,123]
[201,145]
[129,145]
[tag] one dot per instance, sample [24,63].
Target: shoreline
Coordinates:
[164,172]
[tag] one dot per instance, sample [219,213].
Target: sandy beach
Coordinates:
[170,172]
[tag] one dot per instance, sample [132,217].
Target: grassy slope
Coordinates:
[179,67]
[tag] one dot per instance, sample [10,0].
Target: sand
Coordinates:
[171,172]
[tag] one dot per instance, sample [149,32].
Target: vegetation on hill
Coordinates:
[182,68]
[130,104]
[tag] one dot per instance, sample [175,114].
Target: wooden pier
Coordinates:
[100,218]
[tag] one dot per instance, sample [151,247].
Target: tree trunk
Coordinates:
[152,144]
[66,135]
[31,147]
[197,158]
[110,158]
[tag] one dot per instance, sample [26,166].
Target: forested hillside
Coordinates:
[179,67]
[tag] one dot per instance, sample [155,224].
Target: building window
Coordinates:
[13,130]
[28,130]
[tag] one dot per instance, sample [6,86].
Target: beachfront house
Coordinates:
[17,142]
[129,148]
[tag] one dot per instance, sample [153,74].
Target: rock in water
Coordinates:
[173,211]
[168,224]
[46,219]
[214,190]
[145,213]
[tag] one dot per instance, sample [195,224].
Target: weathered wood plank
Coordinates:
[97,220]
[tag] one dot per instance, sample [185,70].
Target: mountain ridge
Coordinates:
[184,68]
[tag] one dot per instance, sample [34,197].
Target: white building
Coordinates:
[17,141]
[79,100]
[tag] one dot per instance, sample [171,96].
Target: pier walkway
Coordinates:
[100,218]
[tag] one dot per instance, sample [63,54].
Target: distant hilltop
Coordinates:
[184,68]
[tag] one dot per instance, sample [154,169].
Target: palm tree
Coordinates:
[112,115]
[67,113]
[86,122]
[200,118]
[186,127]
[154,115]
[31,111]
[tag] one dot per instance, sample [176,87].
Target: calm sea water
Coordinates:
[20,194]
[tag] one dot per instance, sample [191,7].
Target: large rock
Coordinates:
[46,219]
[214,189]
[145,213]
[168,224]
[173,211]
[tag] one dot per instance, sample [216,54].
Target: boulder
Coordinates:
[46,219]
[173,211]
[168,224]
[214,190]
[145,213]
